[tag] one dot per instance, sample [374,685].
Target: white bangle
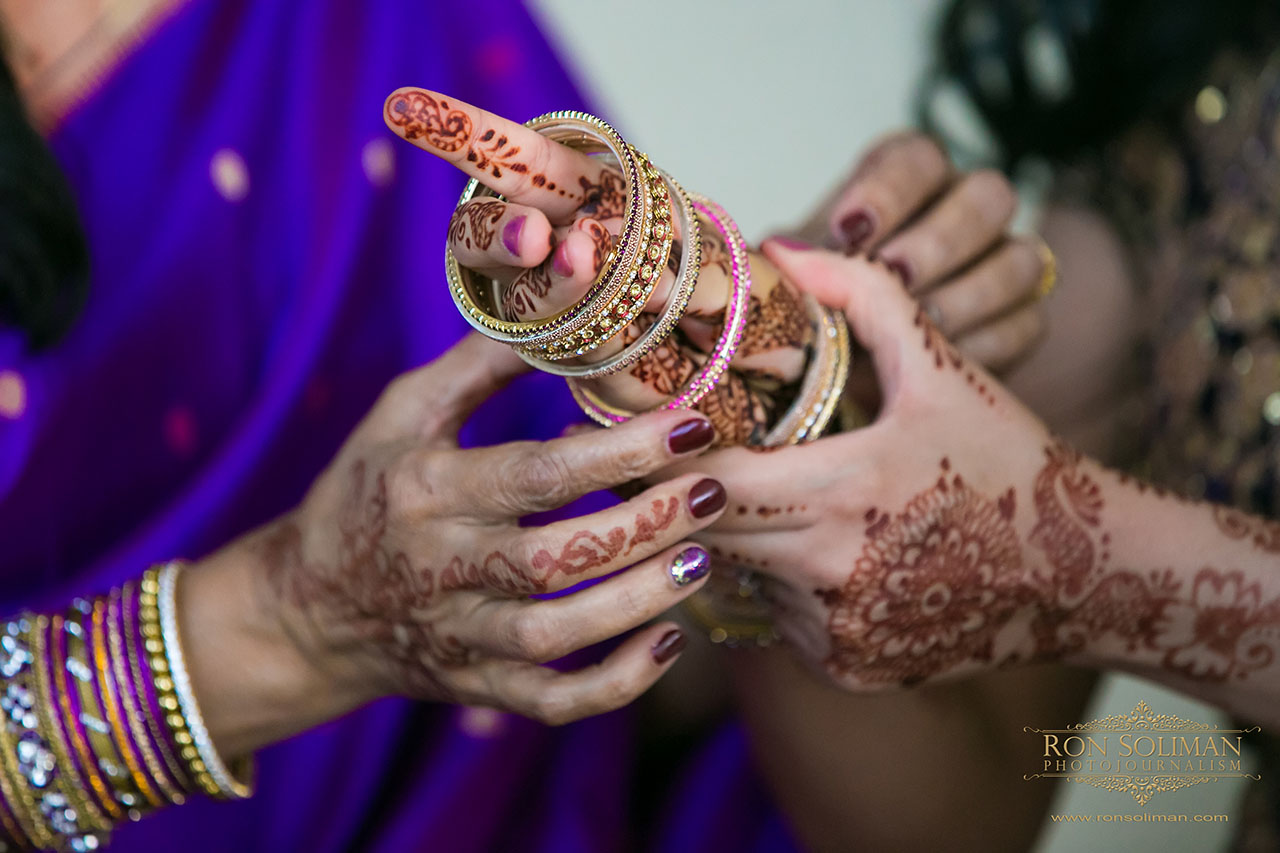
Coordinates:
[228,785]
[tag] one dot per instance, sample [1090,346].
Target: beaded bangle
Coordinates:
[142,665]
[68,669]
[18,704]
[75,789]
[585,132]
[207,765]
[93,714]
[717,362]
[8,821]
[672,312]
[823,383]
[127,700]
[168,774]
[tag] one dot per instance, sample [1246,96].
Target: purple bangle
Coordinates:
[160,733]
[134,692]
[735,322]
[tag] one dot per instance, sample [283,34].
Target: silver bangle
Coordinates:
[166,603]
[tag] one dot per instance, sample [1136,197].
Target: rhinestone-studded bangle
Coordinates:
[823,383]
[207,765]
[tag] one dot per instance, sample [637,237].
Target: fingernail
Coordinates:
[706,497]
[902,270]
[856,228]
[511,235]
[689,565]
[560,261]
[793,244]
[671,644]
[688,436]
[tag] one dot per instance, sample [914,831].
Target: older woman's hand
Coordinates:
[406,570]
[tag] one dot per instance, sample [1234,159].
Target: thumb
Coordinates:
[433,401]
[883,317]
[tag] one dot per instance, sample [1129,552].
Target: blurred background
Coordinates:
[784,96]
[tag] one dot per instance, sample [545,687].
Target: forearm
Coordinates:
[1185,593]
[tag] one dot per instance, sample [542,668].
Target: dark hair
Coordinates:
[1059,78]
[44,260]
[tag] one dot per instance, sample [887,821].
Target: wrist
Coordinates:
[257,668]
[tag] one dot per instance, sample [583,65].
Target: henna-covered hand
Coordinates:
[955,534]
[406,570]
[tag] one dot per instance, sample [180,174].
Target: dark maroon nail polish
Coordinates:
[671,644]
[793,244]
[511,235]
[856,228]
[560,261]
[688,436]
[706,497]
[902,270]
[689,565]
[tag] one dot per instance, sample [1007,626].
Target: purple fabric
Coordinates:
[232,340]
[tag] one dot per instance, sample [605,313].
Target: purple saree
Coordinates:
[266,257]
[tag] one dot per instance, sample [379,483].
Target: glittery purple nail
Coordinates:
[689,565]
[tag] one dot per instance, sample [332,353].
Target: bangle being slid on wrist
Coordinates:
[100,719]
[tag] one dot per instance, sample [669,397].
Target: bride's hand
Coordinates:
[899,552]
[548,240]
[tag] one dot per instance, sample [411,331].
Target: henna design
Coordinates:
[936,584]
[667,367]
[944,355]
[648,528]
[495,156]
[1234,524]
[932,588]
[740,414]
[604,200]
[522,295]
[778,322]
[423,116]
[474,225]
[603,241]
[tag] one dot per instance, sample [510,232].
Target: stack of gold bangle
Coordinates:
[95,728]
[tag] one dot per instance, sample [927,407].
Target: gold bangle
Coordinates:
[23,802]
[478,308]
[823,385]
[175,773]
[73,788]
[1049,275]
[109,691]
[131,712]
[166,695]
[72,666]
[8,819]
[656,237]
[738,619]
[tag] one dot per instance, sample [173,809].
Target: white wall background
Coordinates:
[763,106]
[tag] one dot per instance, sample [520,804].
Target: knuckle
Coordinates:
[928,154]
[537,473]
[1027,261]
[551,709]
[996,196]
[405,478]
[531,638]
[615,692]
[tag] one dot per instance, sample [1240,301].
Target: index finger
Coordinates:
[509,158]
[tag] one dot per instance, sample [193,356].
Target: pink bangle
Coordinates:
[735,322]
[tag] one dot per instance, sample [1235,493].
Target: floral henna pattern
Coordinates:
[936,584]
[474,225]
[523,297]
[422,116]
[932,588]
[495,154]
[740,414]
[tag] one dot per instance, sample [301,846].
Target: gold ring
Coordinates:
[1049,277]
